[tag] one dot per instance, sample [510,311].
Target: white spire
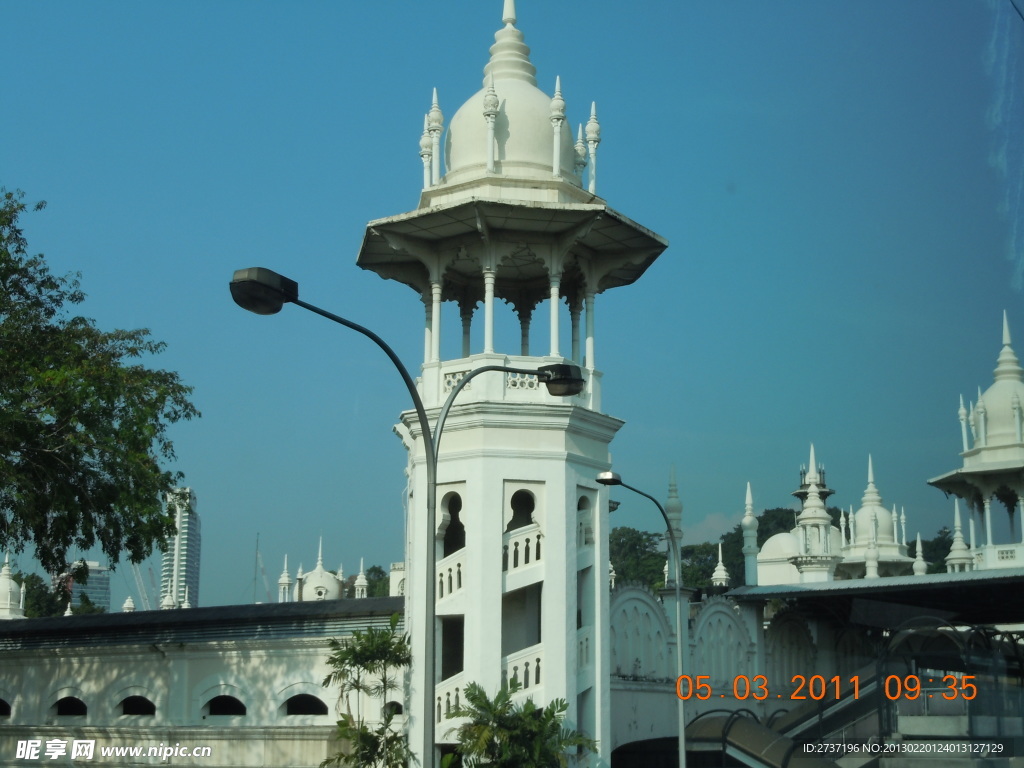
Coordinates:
[920,566]
[129,605]
[508,13]
[593,139]
[812,469]
[720,578]
[959,558]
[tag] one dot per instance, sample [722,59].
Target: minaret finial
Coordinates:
[1006,330]
[812,468]
[508,13]
[320,554]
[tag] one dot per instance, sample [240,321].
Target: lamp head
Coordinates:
[609,478]
[561,380]
[262,291]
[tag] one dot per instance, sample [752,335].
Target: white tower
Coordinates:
[993,461]
[180,568]
[521,540]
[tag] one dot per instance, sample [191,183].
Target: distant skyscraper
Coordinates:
[96,588]
[179,581]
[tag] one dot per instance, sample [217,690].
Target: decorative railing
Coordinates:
[452,379]
[448,696]
[451,575]
[525,667]
[521,381]
[584,647]
[521,547]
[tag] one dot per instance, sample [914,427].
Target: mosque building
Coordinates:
[509,212]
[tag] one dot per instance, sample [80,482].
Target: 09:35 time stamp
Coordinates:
[819,687]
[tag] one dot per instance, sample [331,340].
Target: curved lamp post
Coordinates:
[613,478]
[265,292]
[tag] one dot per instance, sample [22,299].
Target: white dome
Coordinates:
[1004,399]
[872,516]
[319,584]
[523,134]
[780,546]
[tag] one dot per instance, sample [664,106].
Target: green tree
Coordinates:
[698,562]
[369,664]
[635,556]
[83,423]
[40,599]
[508,734]
[378,582]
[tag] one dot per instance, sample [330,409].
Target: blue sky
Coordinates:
[840,184]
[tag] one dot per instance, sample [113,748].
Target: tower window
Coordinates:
[137,705]
[5,709]
[522,510]
[455,531]
[304,704]
[224,705]
[70,706]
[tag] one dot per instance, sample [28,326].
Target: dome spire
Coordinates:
[510,56]
[1007,366]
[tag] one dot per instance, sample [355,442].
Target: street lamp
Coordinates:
[613,478]
[264,292]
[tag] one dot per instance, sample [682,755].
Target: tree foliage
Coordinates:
[698,563]
[369,664]
[508,734]
[83,422]
[634,555]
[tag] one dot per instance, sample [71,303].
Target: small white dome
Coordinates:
[1005,398]
[523,133]
[781,545]
[872,516]
[319,584]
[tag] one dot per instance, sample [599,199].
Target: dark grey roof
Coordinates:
[321,618]
[971,597]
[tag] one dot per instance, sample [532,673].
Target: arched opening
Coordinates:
[304,704]
[137,705]
[393,708]
[522,510]
[5,708]
[70,706]
[220,706]
[455,531]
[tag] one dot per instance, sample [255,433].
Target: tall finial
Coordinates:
[1007,366]
[920,566]
[508,13]
[871,471]
[593,139]
[435,124]
[320,554]
[581,153]
[812,469]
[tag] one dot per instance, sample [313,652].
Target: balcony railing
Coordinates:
[521,547]
[525,667]
[451,575]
